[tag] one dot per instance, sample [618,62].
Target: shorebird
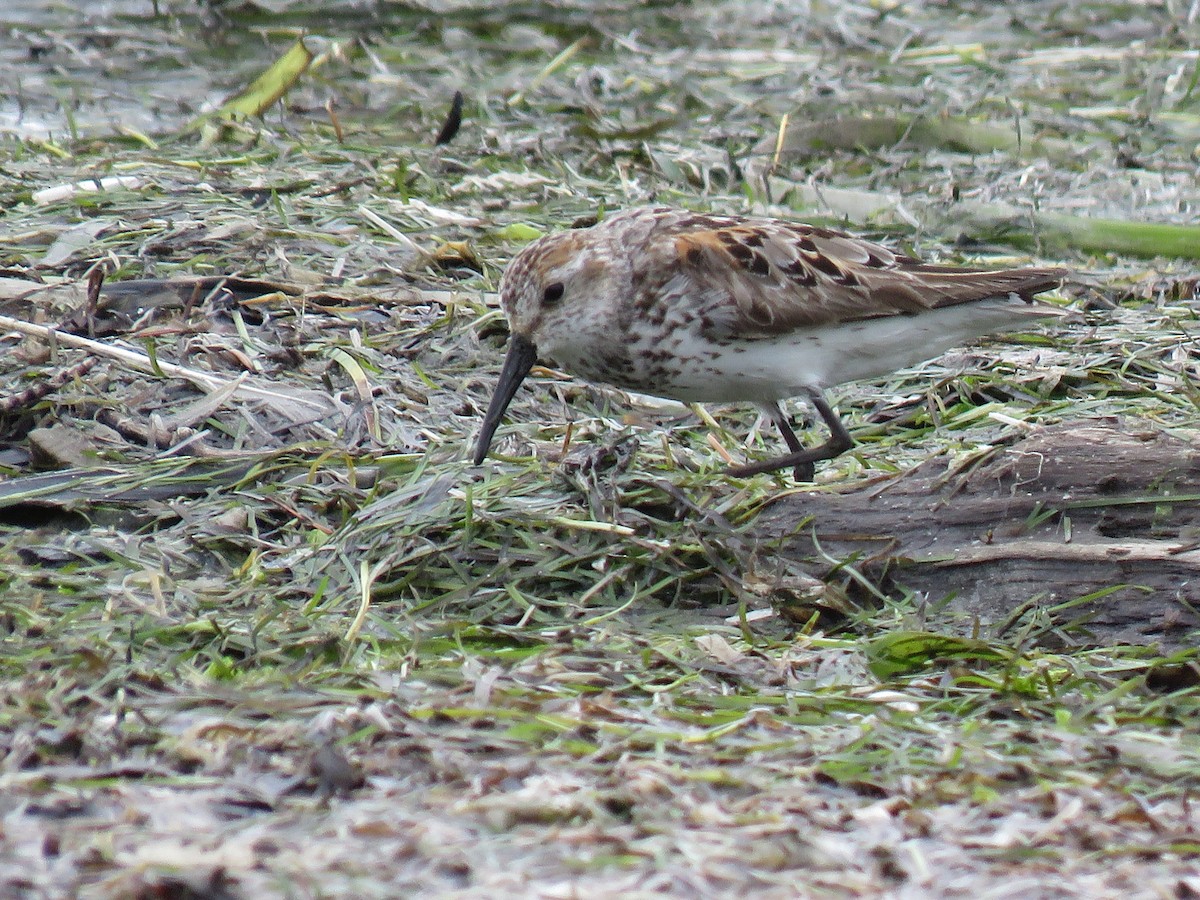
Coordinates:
[715,309]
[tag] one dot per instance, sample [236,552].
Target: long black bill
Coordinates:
[522,354]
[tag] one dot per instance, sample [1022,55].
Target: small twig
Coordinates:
[95,280]
[780,141]
[335,121]
[386,226]
[142,363]
[32,395]
[453,121]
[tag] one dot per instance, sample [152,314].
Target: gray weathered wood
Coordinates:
[1065,513]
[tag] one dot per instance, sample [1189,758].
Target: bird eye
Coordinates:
[553,293]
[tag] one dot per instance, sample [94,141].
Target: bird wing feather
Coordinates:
[770,278]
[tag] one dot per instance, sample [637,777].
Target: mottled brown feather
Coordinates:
[783,276]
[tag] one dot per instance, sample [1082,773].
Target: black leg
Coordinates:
[799,459]
[803,471]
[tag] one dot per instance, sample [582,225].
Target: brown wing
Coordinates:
[778,276]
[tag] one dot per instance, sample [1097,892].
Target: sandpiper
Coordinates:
[710,308]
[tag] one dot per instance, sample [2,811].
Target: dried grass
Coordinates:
[562,673]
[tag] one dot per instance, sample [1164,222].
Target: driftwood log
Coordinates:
[1086,533]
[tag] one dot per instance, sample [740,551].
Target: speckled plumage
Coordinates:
[709,308]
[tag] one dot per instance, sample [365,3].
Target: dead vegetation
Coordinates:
[265,632]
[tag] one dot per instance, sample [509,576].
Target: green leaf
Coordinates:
[909,651]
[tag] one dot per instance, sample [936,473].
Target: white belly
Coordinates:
[769,370]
